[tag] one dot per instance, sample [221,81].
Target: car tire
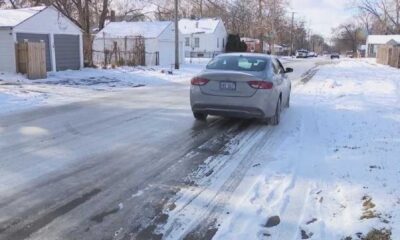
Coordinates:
[274,121]
[200,116]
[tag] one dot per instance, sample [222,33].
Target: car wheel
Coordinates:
[277,117]
[200,116]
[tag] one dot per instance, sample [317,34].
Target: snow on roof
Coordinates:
[382,39]
[124,29]
[204,25]
[13,17]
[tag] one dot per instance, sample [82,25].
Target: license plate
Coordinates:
[231,86]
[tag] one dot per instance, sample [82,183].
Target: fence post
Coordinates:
[16,58]
[115,51]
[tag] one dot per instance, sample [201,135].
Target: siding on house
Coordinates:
[160,38]
[206,40]
[7,52]
[48,21]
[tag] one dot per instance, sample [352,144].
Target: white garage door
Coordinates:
[167,52]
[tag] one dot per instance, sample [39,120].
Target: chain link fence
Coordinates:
[126,51]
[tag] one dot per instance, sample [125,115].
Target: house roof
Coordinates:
[13,17]
[382,39]
[204,25]
[130,29]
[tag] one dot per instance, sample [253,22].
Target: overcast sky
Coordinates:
[322,15]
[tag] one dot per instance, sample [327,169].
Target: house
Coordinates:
[203,37]
[253,45]
[156,40]
[62,38]
[279,49]
[374,41]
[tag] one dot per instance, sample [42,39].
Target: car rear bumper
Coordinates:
[229,111]
[260,105]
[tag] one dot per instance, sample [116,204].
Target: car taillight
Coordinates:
[261,84]
[198,81]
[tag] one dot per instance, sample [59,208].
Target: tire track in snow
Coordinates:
[214,197]
[199,209]
[221,126]
[205,228]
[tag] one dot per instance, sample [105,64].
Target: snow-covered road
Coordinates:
[135,165]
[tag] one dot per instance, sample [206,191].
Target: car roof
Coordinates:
[247,54]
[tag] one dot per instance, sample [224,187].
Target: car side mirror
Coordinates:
[289,70]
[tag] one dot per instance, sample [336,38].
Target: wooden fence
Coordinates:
[31,59]
[389,55]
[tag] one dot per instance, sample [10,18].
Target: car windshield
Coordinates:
[238,63]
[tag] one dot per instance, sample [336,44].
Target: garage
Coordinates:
[67,52]
[62,38]
[158,36]
[32,37]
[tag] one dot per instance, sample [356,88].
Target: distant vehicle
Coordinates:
[301,53]
[312,54]
[350,54]
[243,85]
[335,55]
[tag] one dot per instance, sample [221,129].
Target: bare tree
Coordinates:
[386,12]
[348,37]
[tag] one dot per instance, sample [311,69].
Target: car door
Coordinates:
[286,84]
[278,78]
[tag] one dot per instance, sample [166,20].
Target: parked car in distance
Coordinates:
[312,54]
[301,53]
[242,85]
[335,55]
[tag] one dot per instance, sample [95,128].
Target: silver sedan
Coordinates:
[243,85]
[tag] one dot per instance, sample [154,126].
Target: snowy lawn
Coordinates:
[331,170]
[17,92]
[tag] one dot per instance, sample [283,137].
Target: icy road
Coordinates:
[135,164]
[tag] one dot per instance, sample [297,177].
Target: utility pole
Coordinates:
[176,36]
[260,18]
[291,35]
[273,27]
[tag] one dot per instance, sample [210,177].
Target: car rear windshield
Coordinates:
[238,63]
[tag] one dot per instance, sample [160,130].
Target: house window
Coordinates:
[187,42]
[217,42]
[197,42]
[223,43]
